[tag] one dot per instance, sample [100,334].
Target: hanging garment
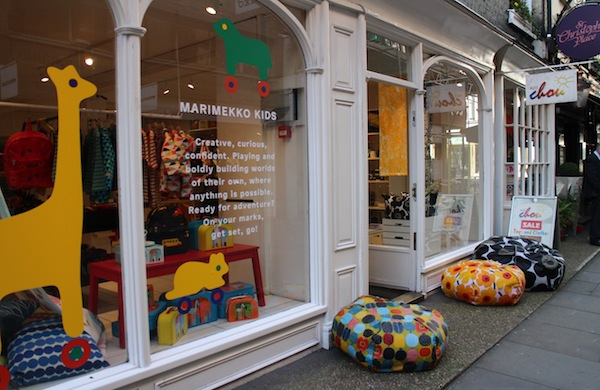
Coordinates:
[151,165]
[109,164]
[94,180]
[99,164]
[176,173]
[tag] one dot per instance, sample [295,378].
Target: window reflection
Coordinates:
[387,56]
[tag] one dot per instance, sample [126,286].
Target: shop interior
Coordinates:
[257,175]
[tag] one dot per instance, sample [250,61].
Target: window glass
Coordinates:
[223,101]
[54,225]
[509,166]
[527,159]
[387,56]
[452,158]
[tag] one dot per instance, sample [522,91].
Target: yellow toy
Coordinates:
[172,326]
[193,276]
[215,237]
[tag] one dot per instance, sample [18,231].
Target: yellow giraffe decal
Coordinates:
[42,247]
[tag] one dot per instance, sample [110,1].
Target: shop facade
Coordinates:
[343,143]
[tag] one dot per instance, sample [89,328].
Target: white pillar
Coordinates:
[131,205]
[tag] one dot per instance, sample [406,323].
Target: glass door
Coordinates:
[390,99]
[453,182]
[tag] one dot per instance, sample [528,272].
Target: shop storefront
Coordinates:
[308,148]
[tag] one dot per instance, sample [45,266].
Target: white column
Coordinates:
[499,155]
[128,32]
[319,162]
[131,205]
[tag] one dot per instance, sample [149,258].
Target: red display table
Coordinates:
[110,270]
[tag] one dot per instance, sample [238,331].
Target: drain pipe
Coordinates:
[548,18]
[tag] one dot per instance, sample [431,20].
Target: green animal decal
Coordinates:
[241,49]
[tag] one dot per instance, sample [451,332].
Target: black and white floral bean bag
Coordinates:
[397,206]
[543,266]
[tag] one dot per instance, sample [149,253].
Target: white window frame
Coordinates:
[534,148]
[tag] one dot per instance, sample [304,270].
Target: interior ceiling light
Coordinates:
[89,61]
[212,9]
[166,91]
[44,78]
[190,85]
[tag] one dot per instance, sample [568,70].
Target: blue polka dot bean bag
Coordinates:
[389,336]
[42,352]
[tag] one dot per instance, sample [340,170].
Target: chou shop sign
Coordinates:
[551,87]
[578,32]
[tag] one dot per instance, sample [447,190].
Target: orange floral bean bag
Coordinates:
[484,282]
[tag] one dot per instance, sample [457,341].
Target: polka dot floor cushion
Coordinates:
[484,282]
[389,336]
[41,352]
[543,266]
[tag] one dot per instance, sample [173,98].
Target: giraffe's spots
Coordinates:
[73,83]
[76,353]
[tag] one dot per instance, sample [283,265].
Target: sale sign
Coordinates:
[534,218]
[533,225]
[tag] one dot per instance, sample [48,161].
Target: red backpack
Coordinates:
[28,159]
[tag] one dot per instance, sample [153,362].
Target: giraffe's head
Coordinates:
[69,85]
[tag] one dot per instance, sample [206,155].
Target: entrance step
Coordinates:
[409,297]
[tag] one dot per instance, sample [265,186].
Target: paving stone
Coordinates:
[565,340]
[541,366]
[580,287]
[593,266]
[576,301]
[568,318]
[478,378]
[586,276]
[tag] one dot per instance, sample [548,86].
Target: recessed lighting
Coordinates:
[44,79]
[190,85]
[210,10]
[89,61]
[166,91]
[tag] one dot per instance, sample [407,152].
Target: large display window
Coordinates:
[223,100]
[225,179]
[58,203]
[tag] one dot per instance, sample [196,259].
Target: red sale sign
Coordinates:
[532,225]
